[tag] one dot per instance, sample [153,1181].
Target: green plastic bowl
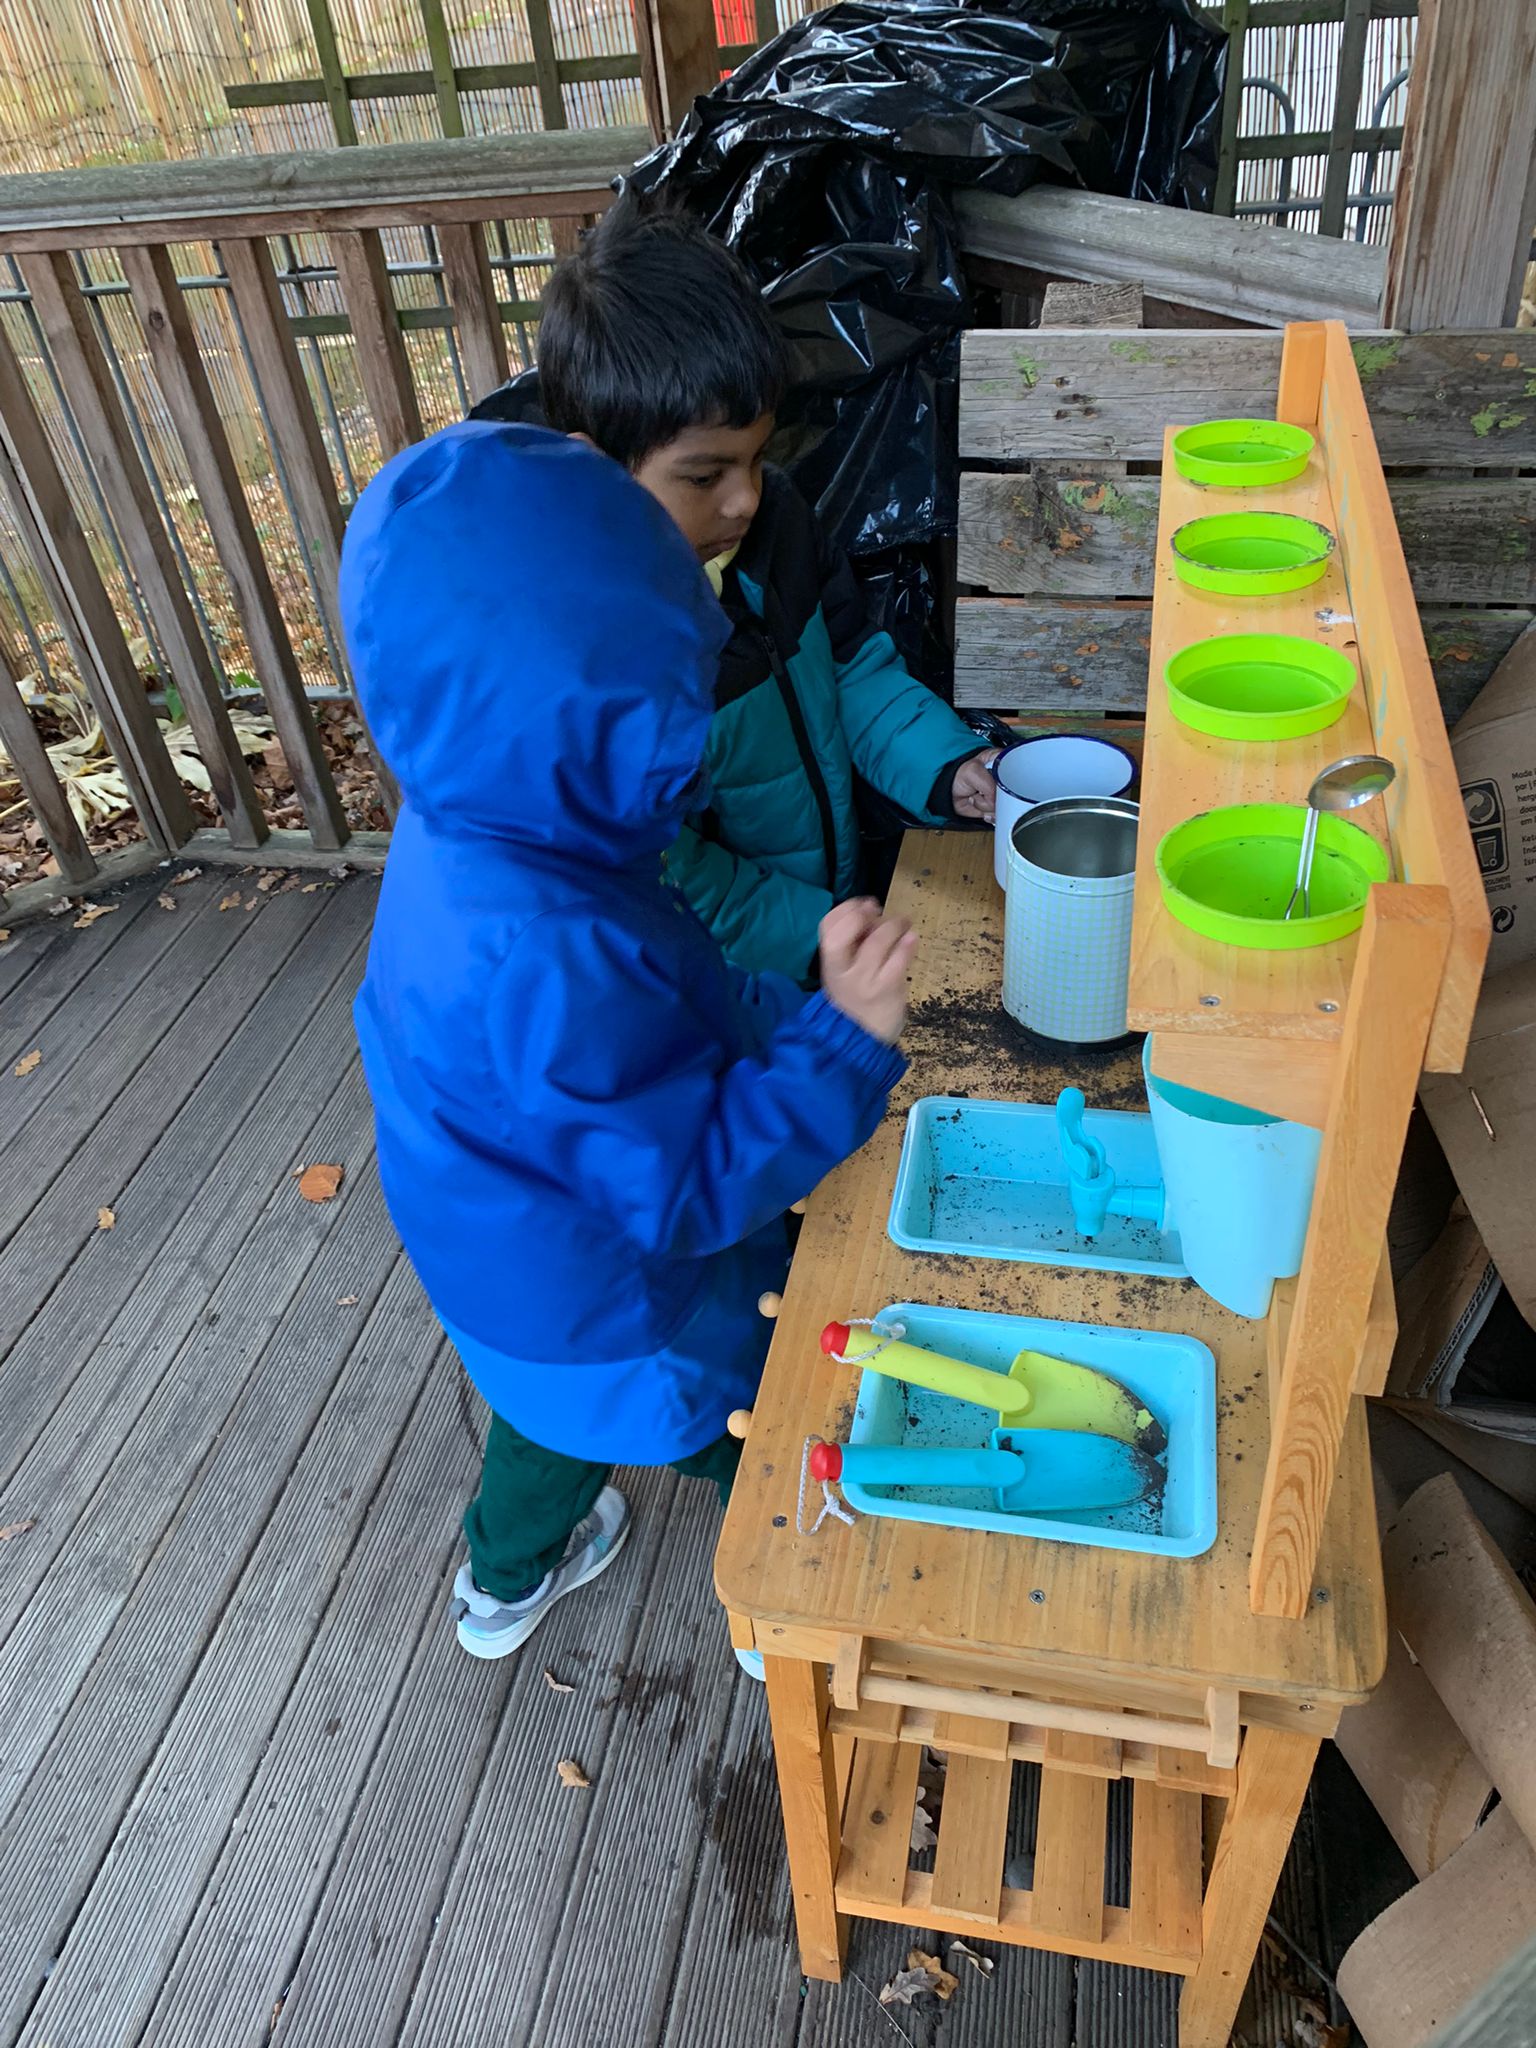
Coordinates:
[1251,554]
[1228,875]
[1259,686]
[1241,454]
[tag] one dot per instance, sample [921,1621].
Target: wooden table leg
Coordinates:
[808,1792]
[1273,1773]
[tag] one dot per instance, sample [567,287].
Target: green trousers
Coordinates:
[530,1500]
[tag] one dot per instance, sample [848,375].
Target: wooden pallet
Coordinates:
[1057,545]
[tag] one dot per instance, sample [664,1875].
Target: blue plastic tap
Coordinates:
[1093,1189]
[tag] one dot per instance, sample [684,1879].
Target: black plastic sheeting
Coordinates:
[826,161]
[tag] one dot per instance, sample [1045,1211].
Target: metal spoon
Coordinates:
[1342,787]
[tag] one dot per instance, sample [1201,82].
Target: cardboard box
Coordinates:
[1442,1303]
[1417,1966]
[1470,1626]
[1485,1117]
[1494,747]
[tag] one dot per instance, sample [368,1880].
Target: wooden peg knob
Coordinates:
[738,1422]
[797,1208]
[769,1304]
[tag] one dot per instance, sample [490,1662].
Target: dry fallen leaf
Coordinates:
[572,1776]
[166,900]
[945,1982]
[984,1964]
[309,888]
[4,938]
[320,1183]
[106,1219]
[270,880]
[556,1684]
[904,1987]
[92,912]
[28,1063]
[923,1836]
[346,1301]
[17,1528]
[232,901]
[253,903]
[187,875]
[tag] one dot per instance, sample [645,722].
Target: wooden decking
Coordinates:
[251,1791]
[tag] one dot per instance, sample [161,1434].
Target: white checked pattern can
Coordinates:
[1067,925]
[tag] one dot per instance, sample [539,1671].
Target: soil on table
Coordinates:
[970,1030]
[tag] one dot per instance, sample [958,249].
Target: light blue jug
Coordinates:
[1239,1189]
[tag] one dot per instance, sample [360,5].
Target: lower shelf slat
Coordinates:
[877,1819]
[1069,1854]
[1017,1923]
[1166,1867]
[973,1831]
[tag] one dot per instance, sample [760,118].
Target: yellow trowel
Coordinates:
[1036,1392]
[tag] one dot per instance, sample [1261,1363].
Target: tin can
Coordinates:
[1067,925]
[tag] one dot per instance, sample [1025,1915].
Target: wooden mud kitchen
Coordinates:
[1209,1680]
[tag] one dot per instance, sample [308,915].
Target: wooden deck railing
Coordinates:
[73,442]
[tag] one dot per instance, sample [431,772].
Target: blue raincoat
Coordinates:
[588,1123]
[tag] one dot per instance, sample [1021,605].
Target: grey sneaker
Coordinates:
[489,1627]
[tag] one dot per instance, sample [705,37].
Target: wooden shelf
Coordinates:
[1065,1909]
[1266,1027]
[1174,972]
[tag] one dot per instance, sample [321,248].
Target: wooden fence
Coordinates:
[98,81]
[199,369]
[1311,135]
[231,212]
[1307,141]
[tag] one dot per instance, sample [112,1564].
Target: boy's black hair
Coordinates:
[653,326]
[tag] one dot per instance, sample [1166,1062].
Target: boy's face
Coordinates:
[710,479]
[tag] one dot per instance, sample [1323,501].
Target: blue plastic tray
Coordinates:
[1175,1376]
[986,1180]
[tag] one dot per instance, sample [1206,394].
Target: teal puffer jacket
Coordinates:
[809,701]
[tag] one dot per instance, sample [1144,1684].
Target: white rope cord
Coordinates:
[888,1333]
[830,1504]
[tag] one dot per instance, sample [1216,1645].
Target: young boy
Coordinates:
[655,345]
[589,1126]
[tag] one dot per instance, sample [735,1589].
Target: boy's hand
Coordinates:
[864,961]
[973,791]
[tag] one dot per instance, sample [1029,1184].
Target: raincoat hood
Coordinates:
[534,643]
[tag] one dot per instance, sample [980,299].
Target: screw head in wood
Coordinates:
[1210,1002]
